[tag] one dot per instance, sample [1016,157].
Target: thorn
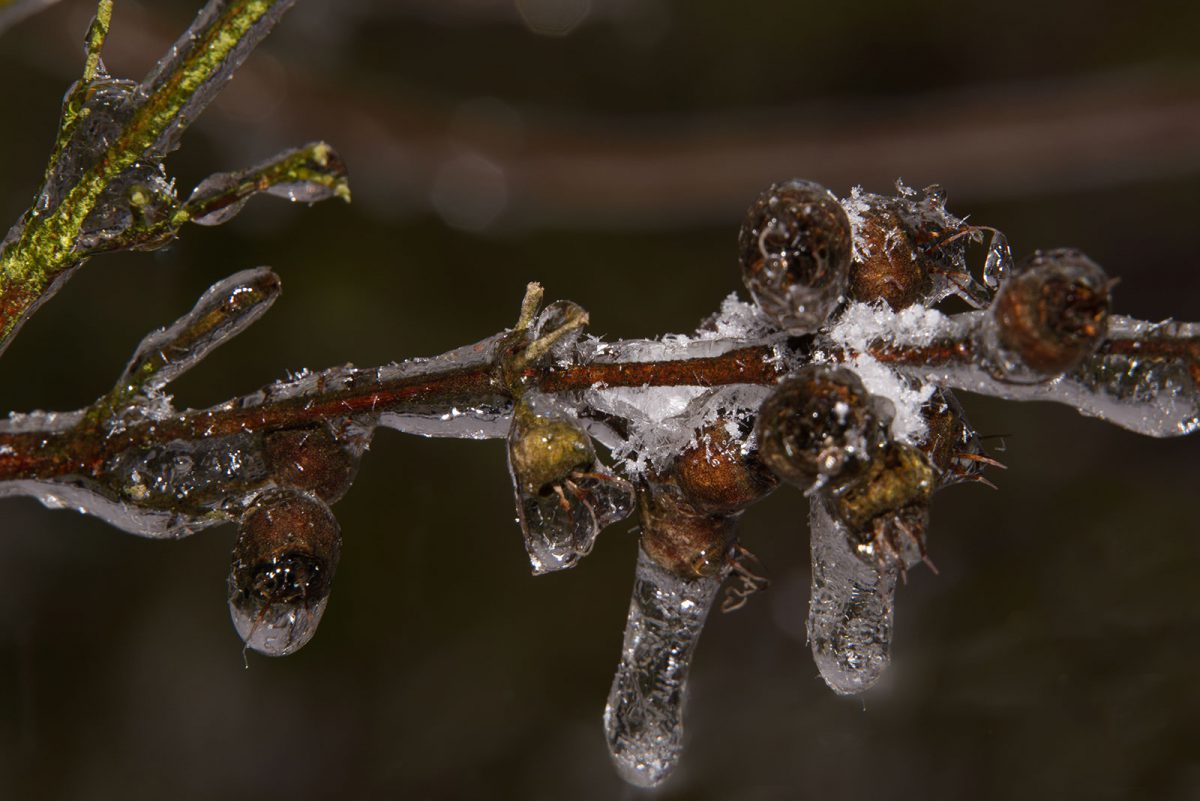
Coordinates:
[976,457]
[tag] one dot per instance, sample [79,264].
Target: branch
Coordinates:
[105,187]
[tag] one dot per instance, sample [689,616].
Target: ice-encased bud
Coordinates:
[795,248]
[851,607]
[643,719]
[819,423]
[564,495]
[283,564]
[1049,316]
[909,249]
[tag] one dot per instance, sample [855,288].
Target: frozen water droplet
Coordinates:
[850,611]
[564,495]
[139,198]
[999,261]
[643,720]
[283,565]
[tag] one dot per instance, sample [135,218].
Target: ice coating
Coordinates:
[282,570]
[193,44]
[643,720]
[308,174]
[850,610]
[222,312]
[106,106]
[564,495]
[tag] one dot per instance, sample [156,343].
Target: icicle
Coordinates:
[850,612]
[643,719]
[283,564]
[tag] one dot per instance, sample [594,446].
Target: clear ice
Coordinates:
[282,570]
[850,610]
[564,495]
[643,719]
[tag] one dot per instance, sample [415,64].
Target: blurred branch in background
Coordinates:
[13,11]
[504,162]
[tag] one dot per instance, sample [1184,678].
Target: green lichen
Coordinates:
[47,249]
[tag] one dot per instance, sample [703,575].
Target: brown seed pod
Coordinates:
[310,459]
[1050,316]
[819,422]
[907,250]
[794,249]
[717,476]
[283,564]
[680,538]
[895,267]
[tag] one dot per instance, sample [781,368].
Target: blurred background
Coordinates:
[608,148]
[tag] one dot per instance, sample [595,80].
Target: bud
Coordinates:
[794,248]
[819,423]
[283,564]
[1049,317]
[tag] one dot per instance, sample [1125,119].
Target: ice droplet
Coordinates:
[564,495]
[850,611]
[999,261]
[643,720]
[283,565]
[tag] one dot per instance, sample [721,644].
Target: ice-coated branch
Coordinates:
[837,379]
[105,187]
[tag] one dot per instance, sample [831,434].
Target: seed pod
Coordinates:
[909,249]
[283,564]
[717,476]
[1050,316]
[820,423]
[310,459]
[794,249]
[683,540]
[564,495]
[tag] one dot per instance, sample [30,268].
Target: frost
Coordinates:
[862,325]
[643,719]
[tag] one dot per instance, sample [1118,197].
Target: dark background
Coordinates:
[1054,657]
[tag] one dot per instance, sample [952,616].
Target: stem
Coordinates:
[44,255]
